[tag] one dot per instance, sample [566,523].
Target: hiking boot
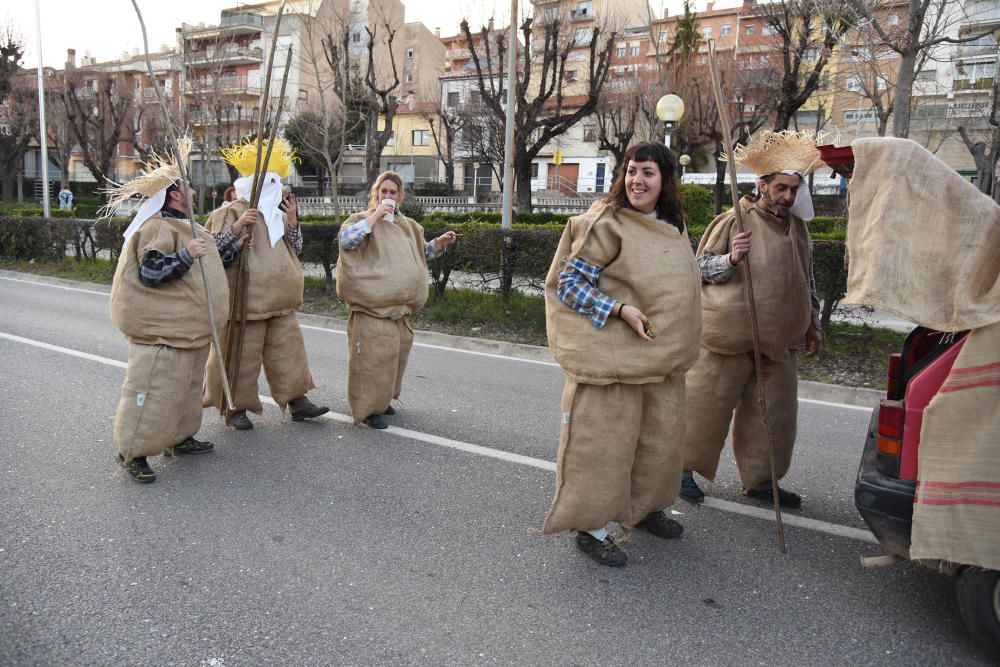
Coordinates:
[137,468]
[764,494]
[390,411]
[302,408]
[240,421]
[689,488]
[658,524]
[605,552]
[376,421]
[189,446]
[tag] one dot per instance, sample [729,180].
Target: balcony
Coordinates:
[226,85]
[230,54]
[238,20]
[230,25]
[149,93]
[984,46]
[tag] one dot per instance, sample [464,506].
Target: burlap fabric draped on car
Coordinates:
[925,244]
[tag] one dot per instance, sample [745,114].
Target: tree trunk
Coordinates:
[522,182]
[904,91]
[449,176]
[8,185]
[720,181]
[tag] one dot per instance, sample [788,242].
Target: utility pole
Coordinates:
[508,170]
[43,134]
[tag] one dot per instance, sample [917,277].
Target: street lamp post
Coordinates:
[670,110]
[684,161]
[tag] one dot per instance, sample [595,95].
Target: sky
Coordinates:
[106,28]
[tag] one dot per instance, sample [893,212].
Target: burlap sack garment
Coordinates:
[382,281]
[780,261]
[276,277]
[722,389]
[622,437]
[175,313]
[169,335]
[385,276]
[272,339]
[160,402]
[923,242]
[646,265]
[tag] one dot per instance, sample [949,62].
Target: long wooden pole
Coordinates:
[727,140]
[182,167]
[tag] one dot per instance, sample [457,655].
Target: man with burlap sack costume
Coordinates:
[623,320]
[722,385]
[159,303]
[272,339]
[382,277]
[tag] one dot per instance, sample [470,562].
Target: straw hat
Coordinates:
[158,173]
[774,152]
[243,157]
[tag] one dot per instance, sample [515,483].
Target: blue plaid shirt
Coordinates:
[352,236]
[578,290]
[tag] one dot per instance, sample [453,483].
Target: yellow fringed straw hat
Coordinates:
[774,152]
[243,157]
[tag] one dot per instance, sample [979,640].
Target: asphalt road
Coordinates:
[323,543]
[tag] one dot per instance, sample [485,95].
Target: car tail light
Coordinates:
[895,370]
[889,436]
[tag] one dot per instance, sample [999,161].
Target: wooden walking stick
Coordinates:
[236,332]
[727,140]
[182,167]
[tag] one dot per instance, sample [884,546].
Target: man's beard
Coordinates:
[778,210]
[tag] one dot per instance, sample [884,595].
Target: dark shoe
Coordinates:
[302,408]
[240,421]
[658,524]
[689,488]
[190,446]
[764,494]
[389,410]
[605,553]
[137,468]
[376,421]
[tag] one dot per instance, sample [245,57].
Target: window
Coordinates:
[534,170]
[769,30]
[663,36]
[409,77]
[303,95]
[570,75]
[854,84]
[634,51]
[927,75]
[893,19]
[751,30]
[583,36]
[453,99]
[356,37]
[725,30]
[475,97]
[392,139]
[409,53]
[589,133]
[859,115]
[620,52]
[824,81]
[706,32]
[421,137]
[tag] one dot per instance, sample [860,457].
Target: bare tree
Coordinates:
[445,126]
[381,100]
[985,144]
[97,114]
[541,110]
[925,25]
[18,113]
[806,32]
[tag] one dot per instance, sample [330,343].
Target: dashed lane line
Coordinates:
[478,450]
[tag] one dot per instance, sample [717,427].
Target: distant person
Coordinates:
[160,304]
[623,318]
[722,385]
[65,199]
[382,277]
[272,338]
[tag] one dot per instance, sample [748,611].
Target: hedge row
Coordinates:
[477,253]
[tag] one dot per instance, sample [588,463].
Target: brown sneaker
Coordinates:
[605,552]
[658,524]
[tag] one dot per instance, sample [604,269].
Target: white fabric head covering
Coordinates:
[270,198]
[803,206]
[149,208]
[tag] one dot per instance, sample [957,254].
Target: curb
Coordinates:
[814,391]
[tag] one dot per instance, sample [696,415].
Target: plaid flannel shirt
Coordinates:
[578,290]
[157,268]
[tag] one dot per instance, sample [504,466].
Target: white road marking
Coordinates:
[478,450]
[863,408]
[64,287]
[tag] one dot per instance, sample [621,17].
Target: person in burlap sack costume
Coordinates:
[158,301]
[623,320]
[722,385]
[272,340]
[382,277]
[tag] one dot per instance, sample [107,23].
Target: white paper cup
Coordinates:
[391,215]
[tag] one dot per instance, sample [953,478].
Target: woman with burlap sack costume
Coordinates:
[623,321]
[272,339]
[160,305]
[722,385]
[382,277]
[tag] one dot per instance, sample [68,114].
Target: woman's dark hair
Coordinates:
[668,205]
[173,187]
